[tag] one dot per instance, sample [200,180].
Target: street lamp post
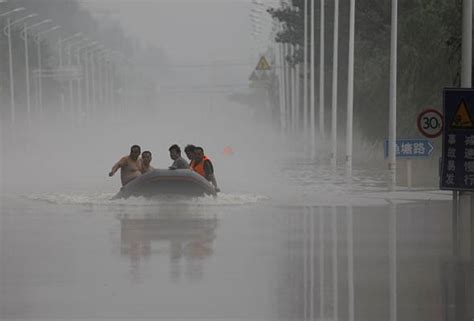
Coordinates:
[93,72]
[7,32]
[61,42]
[24,36]
[71,82]
[105,86]
[80,88]
[40,66]
[88,76]
[334,86]
[350,91]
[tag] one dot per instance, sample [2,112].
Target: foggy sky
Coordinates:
[189,30]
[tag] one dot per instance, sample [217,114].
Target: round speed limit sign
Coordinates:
[430,123]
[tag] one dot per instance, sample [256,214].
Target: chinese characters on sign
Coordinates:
[411,148]
[457,166]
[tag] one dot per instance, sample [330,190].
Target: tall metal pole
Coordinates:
[466,59]
[40,82]
[286,86]
[79,87]
[293,92]
[392,126]
[465,233]
[112,86]
[312,105]
[93,83]
[27,68]
[297,96]
[87,84]
[281,79]
[305,72]
[40,67]
[335,60]
[322,130]
[12,83]
[61,65]
[71,89]
[350,90]
[106,82]
[7,32]
[100,79]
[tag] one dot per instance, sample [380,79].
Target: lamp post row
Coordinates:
[90,49]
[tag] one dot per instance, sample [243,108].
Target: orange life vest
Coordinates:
[199,168]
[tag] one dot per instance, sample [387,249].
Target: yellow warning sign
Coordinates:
[263,64]
[462,119]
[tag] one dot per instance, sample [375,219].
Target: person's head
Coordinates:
[175,152]
[146,157]
[198,154]
[189,150]
[135,151]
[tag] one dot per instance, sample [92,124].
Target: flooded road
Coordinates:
[207,260]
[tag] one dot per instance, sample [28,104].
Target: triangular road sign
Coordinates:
[263,64]
[462,119]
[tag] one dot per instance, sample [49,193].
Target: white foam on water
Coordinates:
[105,199]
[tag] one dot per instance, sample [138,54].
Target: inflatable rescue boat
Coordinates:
[165,182]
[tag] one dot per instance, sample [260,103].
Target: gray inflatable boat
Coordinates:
[165,182]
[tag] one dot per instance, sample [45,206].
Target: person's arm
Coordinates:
[173,166]
[141,169]
[118,165]
[212,178]
[209,171]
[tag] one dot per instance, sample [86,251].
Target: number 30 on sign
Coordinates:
[430,123]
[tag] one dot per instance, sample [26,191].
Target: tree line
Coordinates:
[429,55]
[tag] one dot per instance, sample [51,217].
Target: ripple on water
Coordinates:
[105,199]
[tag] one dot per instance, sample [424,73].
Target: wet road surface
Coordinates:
[256,261]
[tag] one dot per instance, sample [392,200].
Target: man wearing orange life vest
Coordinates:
[202,165]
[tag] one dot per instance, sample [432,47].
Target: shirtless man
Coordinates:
[146,160]
[129,166]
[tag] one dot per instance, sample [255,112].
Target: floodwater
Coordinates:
[363,254]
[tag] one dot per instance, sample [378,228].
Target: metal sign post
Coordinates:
[410,149]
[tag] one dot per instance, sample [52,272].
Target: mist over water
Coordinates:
[58,162]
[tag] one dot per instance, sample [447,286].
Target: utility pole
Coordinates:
[350,91]
[392,126]
[312,103]
[322,130]
[335,53]
[305,73]
[7,32]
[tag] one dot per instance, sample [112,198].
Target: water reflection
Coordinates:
[374,263]
[186,234]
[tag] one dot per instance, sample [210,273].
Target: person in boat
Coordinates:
[202,165]
[146,160]
[189,151]
[129,165]
[178,161]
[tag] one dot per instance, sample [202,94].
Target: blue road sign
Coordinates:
[457,162]
[411,148]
